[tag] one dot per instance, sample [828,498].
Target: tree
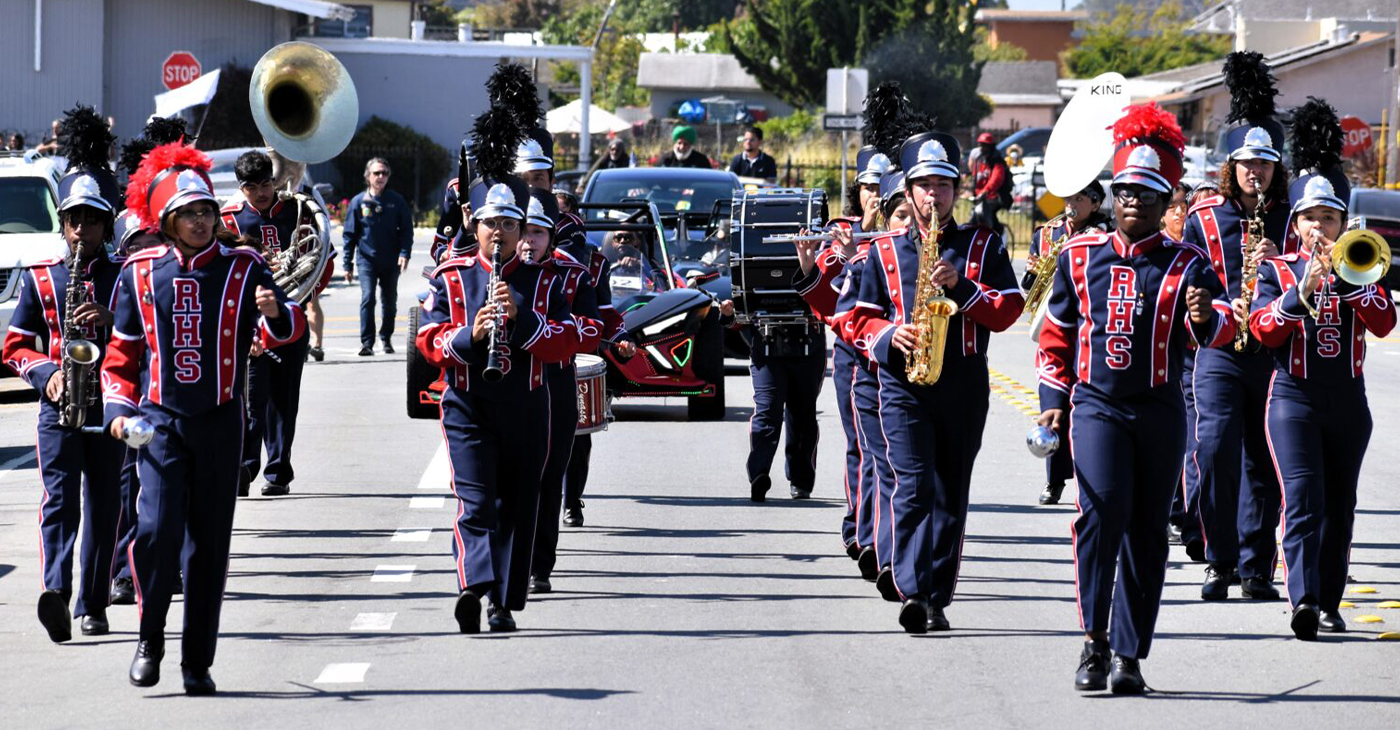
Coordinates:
[514,13]
[1135,41]
[932,58]
[615,63]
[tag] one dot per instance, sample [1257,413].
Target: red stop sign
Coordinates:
[180,68]
[1356,136]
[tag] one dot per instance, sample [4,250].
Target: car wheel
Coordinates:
[709,364]
[420,373]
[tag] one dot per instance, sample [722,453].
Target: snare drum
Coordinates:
[591,373]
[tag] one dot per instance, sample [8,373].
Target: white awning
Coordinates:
[314,8]
[569,119]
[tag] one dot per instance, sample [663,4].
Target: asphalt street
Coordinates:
[680,603]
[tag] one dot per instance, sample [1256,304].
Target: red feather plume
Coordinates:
[164,157]
[1143,121]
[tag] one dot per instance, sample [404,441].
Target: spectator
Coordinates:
[50,143]
[991,181]
[753,161]
[1174,220]
[683,153]
[380,224]
[16,141]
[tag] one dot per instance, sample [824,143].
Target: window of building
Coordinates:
[359,27]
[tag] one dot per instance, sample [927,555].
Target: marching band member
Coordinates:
[189,310]
[1122,306]
[274,379]
[1238,506]
[492,323]
[933,432]
[1319,423]
[1081,215]
[62,302]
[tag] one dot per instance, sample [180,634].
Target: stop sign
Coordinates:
[1356,136]
[180,68]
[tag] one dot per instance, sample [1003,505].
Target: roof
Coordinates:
[455,49]
[1301,10]
[314,8]
[1209,76]
[702,71]
[1031,16]
[1020,83]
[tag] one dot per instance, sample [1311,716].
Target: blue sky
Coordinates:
[1041,4]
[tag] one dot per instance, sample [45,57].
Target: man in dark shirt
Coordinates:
[684,154]
[753,161]
[378,223]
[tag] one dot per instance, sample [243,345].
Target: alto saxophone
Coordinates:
[932,310]
[1249,272]
[1045,269]
[79,355]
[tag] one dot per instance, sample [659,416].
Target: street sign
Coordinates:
[180,68]
[1356,136]
[841,122]
[845,90]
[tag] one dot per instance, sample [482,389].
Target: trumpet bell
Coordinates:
[1361,257]
[1042,442]
[303,102]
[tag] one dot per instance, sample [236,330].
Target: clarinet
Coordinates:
[495,357]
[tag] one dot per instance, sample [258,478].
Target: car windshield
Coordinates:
[27,206]
[670,196]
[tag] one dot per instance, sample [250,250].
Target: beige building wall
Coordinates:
[1274,36]
[391,17]
[1010,116]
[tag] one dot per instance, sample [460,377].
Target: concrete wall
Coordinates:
[1273,36]
[70,67]
[438,96]
[1043,40]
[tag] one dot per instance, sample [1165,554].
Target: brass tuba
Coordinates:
[932,310]
[305,105]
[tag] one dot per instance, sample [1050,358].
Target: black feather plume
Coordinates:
[162,130]
[512,87]
[495,136]
[132,153]
[1317,136]
[1251,85]
[886,114]
[84,138]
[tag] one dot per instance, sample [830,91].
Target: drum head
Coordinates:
[586,365]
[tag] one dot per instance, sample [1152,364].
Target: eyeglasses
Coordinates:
[377,173]
[189,215]
[505,225]
[621,239]
[1146,196]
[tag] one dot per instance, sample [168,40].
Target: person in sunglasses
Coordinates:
[379,224]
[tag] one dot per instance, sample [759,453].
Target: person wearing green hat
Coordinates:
[683,152]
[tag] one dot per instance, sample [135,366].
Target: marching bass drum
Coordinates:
[591,374]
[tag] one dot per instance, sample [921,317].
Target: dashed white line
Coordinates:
[346,673]
[373,622]
[17,462]
[404,534]
[426,502]
[438,475]
[393,574]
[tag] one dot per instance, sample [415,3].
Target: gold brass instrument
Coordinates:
[932,310]
[1361,257]
[1249,272]
[79,364]
[305,105]
[1038,296]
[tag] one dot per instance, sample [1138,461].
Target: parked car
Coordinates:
[29,230]
[1379,211]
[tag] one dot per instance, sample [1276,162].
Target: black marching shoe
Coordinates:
[758,488]
[1331,622]
[388,347]
[1259,589]
[1051,493]
[913,616]
[272,489]
[145,666]
[540,584]
[1217,584]
[197,681]
[937,621]
[366,351]
[869,567]
[884,583]
[500,620]
[797,492]
[177,586]
[54,615]
[468,613]
[316,353]
[852,551]
[123,592]
[95,624]
[243,484]
[1195,548]
[1125,676]
[1093,667]
[1305,621]
[573,516]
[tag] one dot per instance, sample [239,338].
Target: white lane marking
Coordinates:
[393,573]
[426,502]
[16,463]
[404,534]
[438,475]
[347,673]
[373,622]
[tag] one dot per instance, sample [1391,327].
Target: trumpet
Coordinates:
[1359,257]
